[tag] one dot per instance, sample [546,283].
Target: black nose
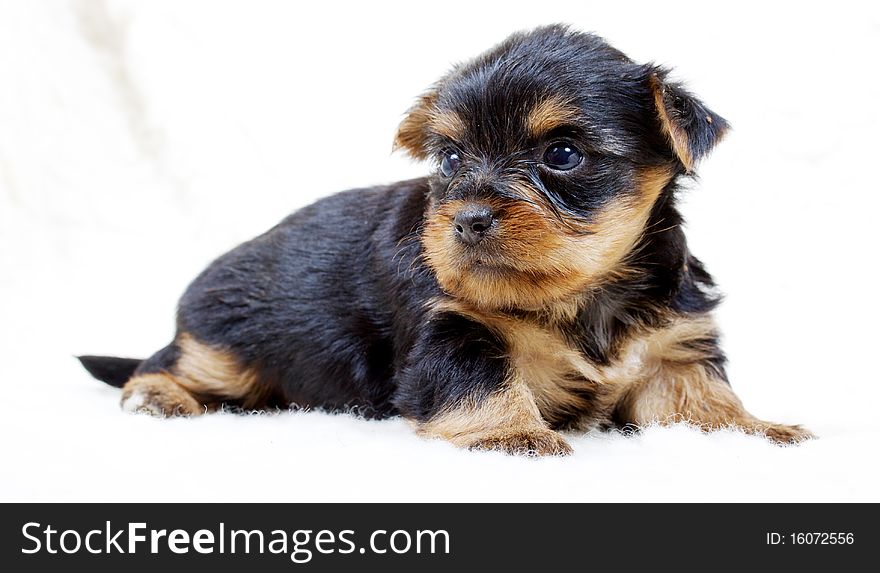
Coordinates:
[472,223]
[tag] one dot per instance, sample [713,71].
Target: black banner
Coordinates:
[428,537]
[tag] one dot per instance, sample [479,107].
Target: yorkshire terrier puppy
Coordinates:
[539,279]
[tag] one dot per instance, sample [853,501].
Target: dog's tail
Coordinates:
[110,369]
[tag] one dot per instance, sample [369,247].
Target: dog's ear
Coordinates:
[412,134]
[691,128]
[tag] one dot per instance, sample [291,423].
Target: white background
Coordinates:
[139,140]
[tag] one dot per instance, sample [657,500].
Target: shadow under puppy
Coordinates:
[538,280]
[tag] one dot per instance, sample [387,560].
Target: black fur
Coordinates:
[328,304]
[461,359]
[330,307]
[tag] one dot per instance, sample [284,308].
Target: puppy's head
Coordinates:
[550,150]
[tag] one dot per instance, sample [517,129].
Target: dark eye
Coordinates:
[449,164]
[562,156]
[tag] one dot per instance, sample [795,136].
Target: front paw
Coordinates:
[531,443]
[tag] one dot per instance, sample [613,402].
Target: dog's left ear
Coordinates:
[691,128]
[412,133]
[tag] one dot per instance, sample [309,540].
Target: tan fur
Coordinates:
[550,113]
[202,378]
[674,384]
[515,274]
[413,129]
[677,136]
[542,359]
[159,394]
[682,340]
[657,375]
[446,123]
[508,421]
[422,119]
[551,368]
[206,371]
[538,261]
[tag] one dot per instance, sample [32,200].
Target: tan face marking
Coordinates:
[532,260]
[550,113]
[447,123]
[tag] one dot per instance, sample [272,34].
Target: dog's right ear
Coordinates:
[412,134]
